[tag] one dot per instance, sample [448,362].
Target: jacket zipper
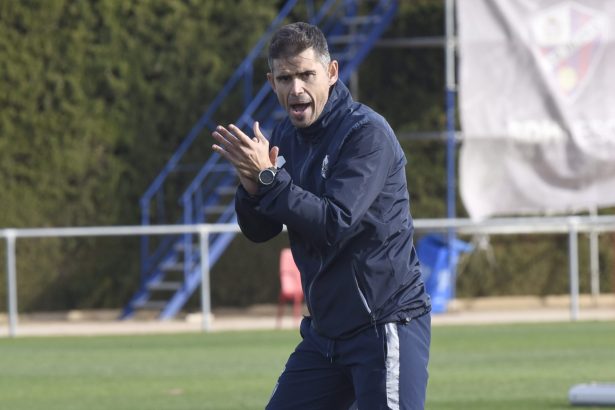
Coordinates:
[363,298]
[302,177]
[372,315]
[308,300]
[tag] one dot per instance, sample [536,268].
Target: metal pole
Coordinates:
[594,262]
[450,127]
[11,280]
[573,251]
[205,288]
[450,44]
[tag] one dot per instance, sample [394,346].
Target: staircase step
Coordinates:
[215,209]
[342,56]
[152,305]
[179,246]
[347,39]
[173,267]
[226,190]
[359,20]
[172,286]
[223,167]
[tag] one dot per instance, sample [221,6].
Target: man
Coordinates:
[341,191]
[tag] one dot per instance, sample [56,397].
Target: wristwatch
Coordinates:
[267,176]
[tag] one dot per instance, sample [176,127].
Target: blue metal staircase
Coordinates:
[170,267]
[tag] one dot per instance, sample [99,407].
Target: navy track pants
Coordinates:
[383,367]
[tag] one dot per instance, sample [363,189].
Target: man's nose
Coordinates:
[297,86]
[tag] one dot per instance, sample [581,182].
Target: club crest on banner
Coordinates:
[569,39]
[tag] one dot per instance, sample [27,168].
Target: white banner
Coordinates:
[537,105]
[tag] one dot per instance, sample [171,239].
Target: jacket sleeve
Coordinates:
[357,178]
[254,225]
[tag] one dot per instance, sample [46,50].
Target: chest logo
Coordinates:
[324,171]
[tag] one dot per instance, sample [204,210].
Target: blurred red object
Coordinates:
[290,286]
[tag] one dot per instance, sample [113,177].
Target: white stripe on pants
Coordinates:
[392,366]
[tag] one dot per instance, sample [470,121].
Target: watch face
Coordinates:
[266,176]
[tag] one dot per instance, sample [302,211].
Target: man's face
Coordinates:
[302,83]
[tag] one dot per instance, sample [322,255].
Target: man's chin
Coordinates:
[302,123]
[302,120]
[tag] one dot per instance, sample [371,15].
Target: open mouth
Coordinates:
[299,108]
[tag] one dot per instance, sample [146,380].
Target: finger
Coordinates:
[230,151]
[225,133]
[273,155]
[221,151]
[233,160]
[257,132]
[229,141]
[240,135]
[223,142]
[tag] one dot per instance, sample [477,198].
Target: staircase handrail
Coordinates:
[214,174]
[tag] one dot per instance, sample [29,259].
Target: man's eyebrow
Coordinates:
[300,73]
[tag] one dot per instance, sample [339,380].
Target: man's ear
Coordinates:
[333,72]
[271,80]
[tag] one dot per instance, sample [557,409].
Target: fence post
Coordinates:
[573,258]
[205,286]
[594,261]
[11,280]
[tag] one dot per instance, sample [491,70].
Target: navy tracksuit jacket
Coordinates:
[343,196]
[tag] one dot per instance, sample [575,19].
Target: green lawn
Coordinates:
[472,367]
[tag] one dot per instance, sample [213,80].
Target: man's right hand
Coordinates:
[247,155]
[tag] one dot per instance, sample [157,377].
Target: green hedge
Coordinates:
[96,95]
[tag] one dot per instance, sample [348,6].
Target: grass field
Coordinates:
[473,367]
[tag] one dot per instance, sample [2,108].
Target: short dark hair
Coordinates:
[295,38]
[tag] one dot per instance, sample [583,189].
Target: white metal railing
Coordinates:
[572,225]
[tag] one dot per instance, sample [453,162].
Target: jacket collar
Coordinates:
[338,103]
